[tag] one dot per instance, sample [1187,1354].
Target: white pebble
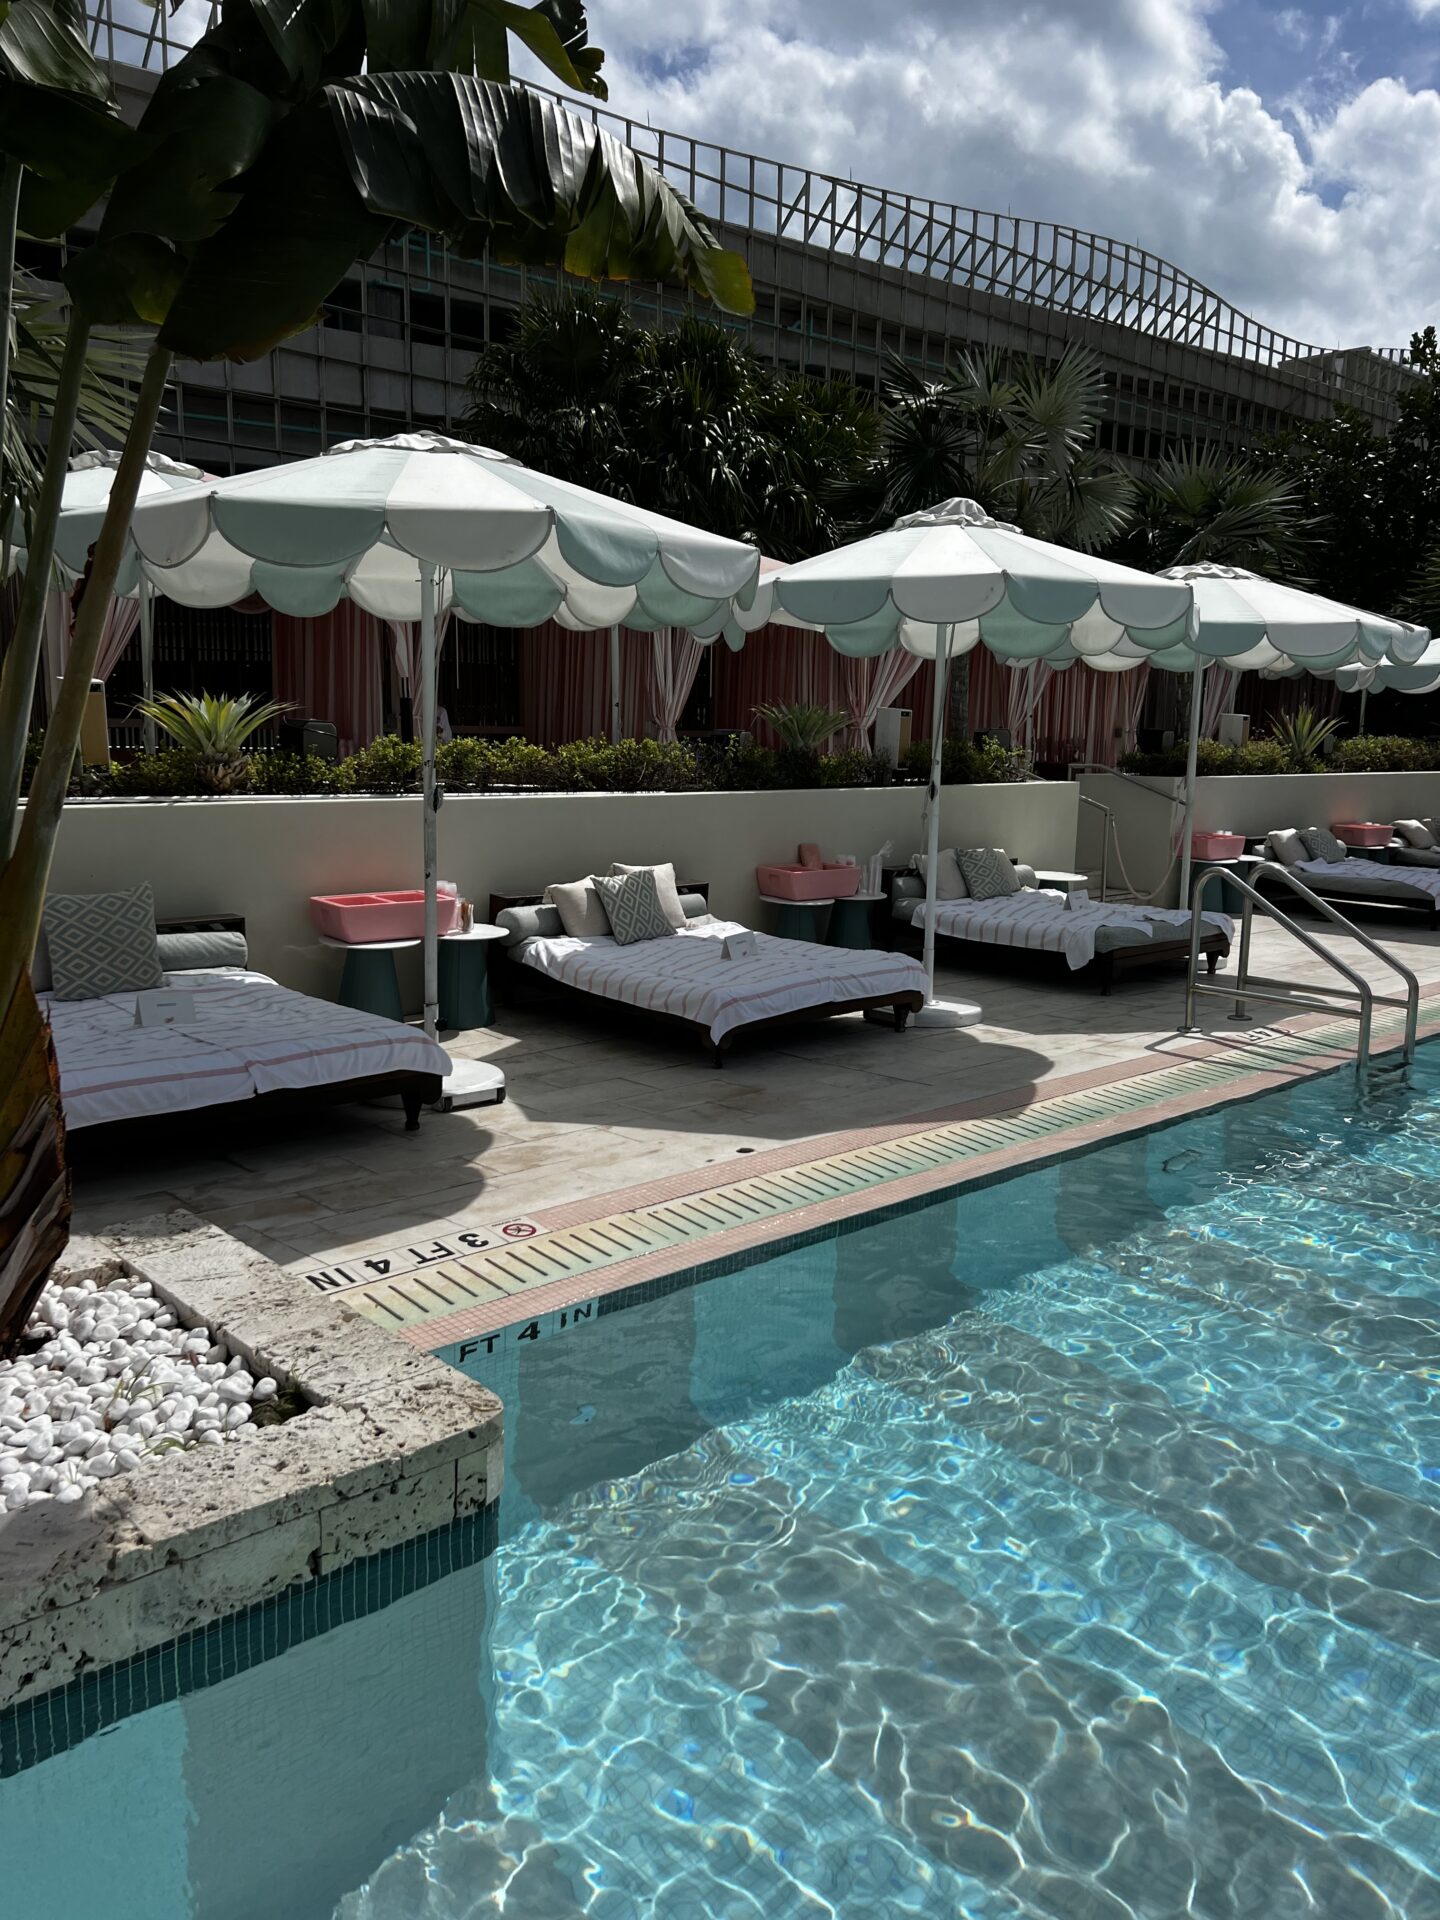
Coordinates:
[265,1389]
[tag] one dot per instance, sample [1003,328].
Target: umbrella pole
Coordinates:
[147,656]
[938,1013]
[1364,696]
[1197,697]
[614,685]
[429,800]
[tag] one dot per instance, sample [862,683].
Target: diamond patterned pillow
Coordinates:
[1321,844]
[989,872]
[102,943]
[633,903]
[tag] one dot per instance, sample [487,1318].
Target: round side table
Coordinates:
[796,919]
[464,971]
[852,924]
[367,981]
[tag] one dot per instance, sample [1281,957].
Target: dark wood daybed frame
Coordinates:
[416,1090]
[1105,968]
[508,975]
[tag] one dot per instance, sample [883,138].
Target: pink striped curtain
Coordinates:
[1132,702]
[870,685]
[405,648]
[122,617]
[1219,684]
[329,669]
[565,684]
[776,664]
[675,658]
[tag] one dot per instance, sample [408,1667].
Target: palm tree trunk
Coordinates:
[22,658]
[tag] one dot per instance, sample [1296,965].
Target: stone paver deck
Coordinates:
[603,1118]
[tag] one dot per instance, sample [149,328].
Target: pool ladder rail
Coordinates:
[1357,1001]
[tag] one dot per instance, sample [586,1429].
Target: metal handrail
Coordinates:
[1278,992]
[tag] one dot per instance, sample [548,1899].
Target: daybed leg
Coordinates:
[412,1104]
[717,1055]
[902,1016]
[1107,975]
[1212,960]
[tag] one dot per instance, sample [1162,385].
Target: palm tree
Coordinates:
[1199,505]
[286,144]
[1012,433]
[685,420]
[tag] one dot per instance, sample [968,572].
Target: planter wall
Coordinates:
[263,858]
[1148,812]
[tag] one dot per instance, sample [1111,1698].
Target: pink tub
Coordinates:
[1216,846]
[360,917]
[1363,833]
[808,883]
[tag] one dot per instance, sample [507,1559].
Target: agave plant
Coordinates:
[801,727]
[214,727]
[1304,736]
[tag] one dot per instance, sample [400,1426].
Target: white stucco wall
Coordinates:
[1248,804]
[264,857]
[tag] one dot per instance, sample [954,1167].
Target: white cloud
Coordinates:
[1109,114]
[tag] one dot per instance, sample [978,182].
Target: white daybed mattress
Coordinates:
[688,975]
[248,1036]
[1039,921]
[1357,877]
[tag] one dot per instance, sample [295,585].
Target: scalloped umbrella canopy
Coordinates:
[956,567]
[512,547]
[1416,676]
[83,500]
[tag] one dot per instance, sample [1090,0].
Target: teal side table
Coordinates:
[1225,898]
[852,921]
[797,919]
[368,981]
[464,976]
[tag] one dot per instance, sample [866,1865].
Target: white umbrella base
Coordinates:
[471,1083]
[935,1013]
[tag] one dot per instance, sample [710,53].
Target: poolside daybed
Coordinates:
[1100,939]
[251,1043]
[1354,878]
[686,980]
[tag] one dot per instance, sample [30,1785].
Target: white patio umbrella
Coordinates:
[939,583]
[1416,676]
[411,525]
[1246,621]
[83,500]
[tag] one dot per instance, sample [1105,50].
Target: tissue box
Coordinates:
[360,917]
[808,883]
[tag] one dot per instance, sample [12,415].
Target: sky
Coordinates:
[1286,155]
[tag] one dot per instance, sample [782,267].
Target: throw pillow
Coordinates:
[1321,844]
[664,885]
[632,900]
[989,873]
[102,943]
[1286,846]
[949,880]
[1415,833]
[581,910]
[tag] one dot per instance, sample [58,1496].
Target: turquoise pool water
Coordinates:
[1068,1549]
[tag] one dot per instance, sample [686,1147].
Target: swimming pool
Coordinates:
[1069,1548]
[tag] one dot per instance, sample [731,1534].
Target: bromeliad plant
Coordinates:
[295,137]
[801,727]
[1304,736]
[214,729]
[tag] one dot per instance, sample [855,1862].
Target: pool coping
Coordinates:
[439,1333]
[392,1445]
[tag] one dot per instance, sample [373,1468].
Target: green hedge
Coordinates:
[391,765]
[1364,753]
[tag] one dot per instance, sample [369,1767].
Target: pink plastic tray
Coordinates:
[1363,833]
[808,883]
[359,917]
[1216,846]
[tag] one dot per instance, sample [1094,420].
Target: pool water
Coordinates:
[1070,1548]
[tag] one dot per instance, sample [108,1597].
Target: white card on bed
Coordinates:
[1077,897]
[739,946]
[164,1008]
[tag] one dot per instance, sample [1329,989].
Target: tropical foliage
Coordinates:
[686,421]
[213,729]
[800,725]
[1202,505]
[290,141]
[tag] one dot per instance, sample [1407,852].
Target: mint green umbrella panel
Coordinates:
[510,546]
[83,500]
